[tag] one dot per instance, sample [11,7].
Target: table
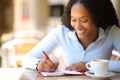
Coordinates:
[27,74]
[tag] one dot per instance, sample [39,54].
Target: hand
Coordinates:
[80,66]
[47,65]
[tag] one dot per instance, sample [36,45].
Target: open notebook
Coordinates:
[61,73]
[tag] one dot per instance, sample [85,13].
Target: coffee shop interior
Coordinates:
[25,22]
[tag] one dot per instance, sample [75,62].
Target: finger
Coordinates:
[45,67]
[68,68]
[52,64]
[71,68]
[49,66]
[42,64]
[54,67]
[56,64]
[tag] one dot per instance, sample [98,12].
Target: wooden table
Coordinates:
[26,74]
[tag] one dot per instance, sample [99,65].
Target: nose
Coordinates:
[78,24]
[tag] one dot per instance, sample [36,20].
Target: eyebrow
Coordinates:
[85,17]
[81,17]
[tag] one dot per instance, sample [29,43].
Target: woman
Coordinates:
[90,30]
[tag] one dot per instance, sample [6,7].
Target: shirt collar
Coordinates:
[101,33]
[72,34]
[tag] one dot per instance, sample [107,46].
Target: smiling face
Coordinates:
[82,22]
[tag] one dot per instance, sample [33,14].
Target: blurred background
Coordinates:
[25,22]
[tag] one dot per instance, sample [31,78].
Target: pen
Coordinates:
[45,55]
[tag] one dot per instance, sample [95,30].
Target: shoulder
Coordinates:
[60,29]
[113,31]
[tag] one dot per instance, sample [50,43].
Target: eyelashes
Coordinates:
[81,21]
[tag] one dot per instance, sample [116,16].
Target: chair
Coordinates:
[13,51]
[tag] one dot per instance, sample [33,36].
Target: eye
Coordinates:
[84,20]
[73,20]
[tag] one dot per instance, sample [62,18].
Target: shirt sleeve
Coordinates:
[29,62]
[114,66]
[116,38]
[48,44]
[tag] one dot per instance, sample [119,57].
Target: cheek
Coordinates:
[72,24]
[91,29]
[90,25]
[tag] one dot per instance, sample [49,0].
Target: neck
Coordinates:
[88,40]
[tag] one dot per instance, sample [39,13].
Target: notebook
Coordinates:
[61,73]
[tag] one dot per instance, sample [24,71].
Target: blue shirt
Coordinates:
[73,50]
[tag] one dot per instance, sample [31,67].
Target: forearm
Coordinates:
[29,62]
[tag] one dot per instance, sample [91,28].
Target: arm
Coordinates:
[80,66]
[48,44]
[115,65]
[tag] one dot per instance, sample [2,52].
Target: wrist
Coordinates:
[37,65]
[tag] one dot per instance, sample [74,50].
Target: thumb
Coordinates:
[56,64]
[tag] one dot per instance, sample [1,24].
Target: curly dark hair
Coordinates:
[102,12]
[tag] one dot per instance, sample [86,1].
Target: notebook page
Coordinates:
[72,72]
[56,73]
[61,73]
